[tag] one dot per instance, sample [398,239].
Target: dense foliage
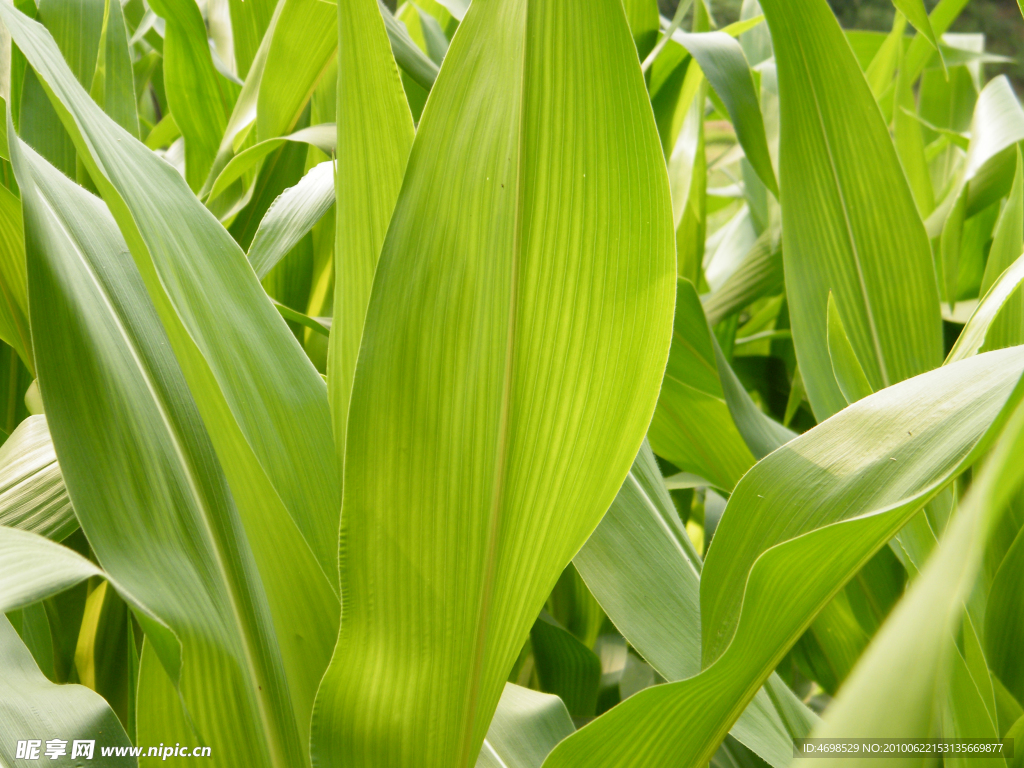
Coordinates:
[516,384]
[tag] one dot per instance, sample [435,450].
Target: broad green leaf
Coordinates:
[321,325]
[435,42]
[375,134]
[35,568]
[760,432]
[407,54]
[974,652]
[525,728]
[281,169]
[32,493]
[797,527]
[118,407]
[671,83]
[456,8]
[160,716]
[846,210]
[757,43]
[303,43]
[33,627]
[76,27]
[973,337]
[321,136]
[262,399]
[732,242]
[921,49]
[692,426]
[917,14]
[687,169]
[101,653]
[31,707]
[759,274]
[1008,235]
[883,66]
[906,671]
[243,116]
[950,245]
[217,15]
[1007,245]
[113,83]
[997,124]
[164,133]
[1004,618]
[721,59]
[291,216]
[430,12]
[845,365]
[643,569]
[250,20]
[518,338]
[14,328]
[909,140]
[573,606]
[64,612]
[5,152]
[199,97]
[565,667]
[643,19]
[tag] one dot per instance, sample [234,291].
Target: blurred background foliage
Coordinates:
[999,20]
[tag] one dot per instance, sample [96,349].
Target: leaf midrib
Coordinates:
[501,463]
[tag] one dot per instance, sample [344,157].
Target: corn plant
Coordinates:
[510,384]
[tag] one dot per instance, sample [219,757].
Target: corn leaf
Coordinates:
[642,16]
[759,274]
[292,215]
[643,569]
[199,97]
[914,662]
[408,55]
[32,493]
[855,480]
[196,592]
[917,15]
[160,716]
[525,728]
[264,400]
[760,432]
[320,136]
[14,328]
[565,667]
[1007,245]
[723,63]
[846,208]
[303,44]
[250,20]
[1004,617]
[508,322]
[692,426]
[972,338]
[36,568]
[31,707]
[845,365]
[375,134]
[113,82]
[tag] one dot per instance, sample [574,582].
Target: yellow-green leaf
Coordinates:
[514,345]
